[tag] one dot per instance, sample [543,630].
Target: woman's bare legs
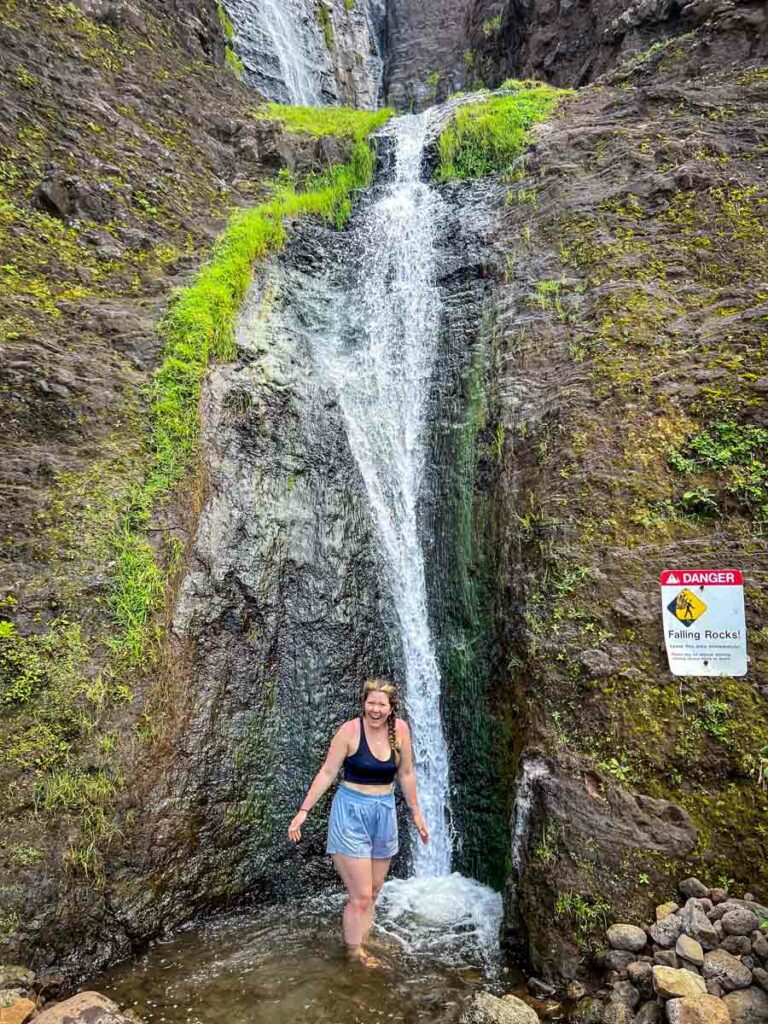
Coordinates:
[357,875]
[379,869]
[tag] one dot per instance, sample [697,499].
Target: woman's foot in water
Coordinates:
[359,955]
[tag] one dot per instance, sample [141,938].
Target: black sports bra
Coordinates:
[365,769]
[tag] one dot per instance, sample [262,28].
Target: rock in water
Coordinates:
[488,1009]
[747,1006]
[670,983]
[84,1008]
[626,936]
[697,1010]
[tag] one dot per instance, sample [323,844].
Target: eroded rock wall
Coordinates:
[425,46]
[626,325]
[570,44]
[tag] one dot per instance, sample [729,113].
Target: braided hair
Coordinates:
[390,690]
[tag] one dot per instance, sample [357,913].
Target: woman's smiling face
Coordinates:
[377,707]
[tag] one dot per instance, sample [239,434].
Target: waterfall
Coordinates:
[276,39]
[380,365]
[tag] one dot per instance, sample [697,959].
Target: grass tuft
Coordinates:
[488,136]
[343,122]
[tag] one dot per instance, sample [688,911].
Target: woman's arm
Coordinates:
[324,779]
[407,777]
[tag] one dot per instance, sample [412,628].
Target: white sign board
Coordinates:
[704,628]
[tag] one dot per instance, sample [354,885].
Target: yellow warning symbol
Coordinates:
[687,607]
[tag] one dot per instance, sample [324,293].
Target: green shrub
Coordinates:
[488,136]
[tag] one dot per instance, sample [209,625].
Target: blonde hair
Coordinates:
[390,690]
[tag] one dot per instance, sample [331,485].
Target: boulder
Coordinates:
[614,959]
[689,949]
[18,1010]
[665,909]
[665,932]
[627,936]
[588,1011]
[727,970]
[488,1009]
[641,976]
[737,945]
[697,1010]
[670,983]
[90,1008]
[625,992]
[760,977]
[666,958]
[693,887]
[747,1006]
[714,988]
[740,921]
[760,944]
[14,976]
[697,924]
[648,1013]
[718,896]
[618,1013]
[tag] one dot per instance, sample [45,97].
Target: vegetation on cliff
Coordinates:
[105,207]
[489,136]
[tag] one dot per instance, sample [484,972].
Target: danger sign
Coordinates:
[704,629]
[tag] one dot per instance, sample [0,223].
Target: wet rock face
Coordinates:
[426,42]
[566,485]
[570,44]
[281,605]
[311,51]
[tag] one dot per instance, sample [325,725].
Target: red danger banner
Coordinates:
[701,577]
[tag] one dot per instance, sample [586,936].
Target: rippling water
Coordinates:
[286,964]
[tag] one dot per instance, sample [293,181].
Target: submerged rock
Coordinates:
[488,1009]
[84,1008]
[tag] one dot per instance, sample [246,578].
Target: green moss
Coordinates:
[491,26]
[323,16]
[488,136]
[342,122]
[734,453]
[226,23]
[233,61]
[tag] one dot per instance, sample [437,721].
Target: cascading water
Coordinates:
[379,360]
[380,364]
[276,38]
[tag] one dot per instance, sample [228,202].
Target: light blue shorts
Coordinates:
[362,824]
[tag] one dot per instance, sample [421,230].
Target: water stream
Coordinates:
[379,363]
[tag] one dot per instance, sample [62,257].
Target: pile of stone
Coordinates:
[703,961]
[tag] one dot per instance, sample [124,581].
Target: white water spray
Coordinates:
[381,371]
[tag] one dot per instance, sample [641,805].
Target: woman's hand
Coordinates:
[294,829]
[420,825]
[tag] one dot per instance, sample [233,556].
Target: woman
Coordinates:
[362,831]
